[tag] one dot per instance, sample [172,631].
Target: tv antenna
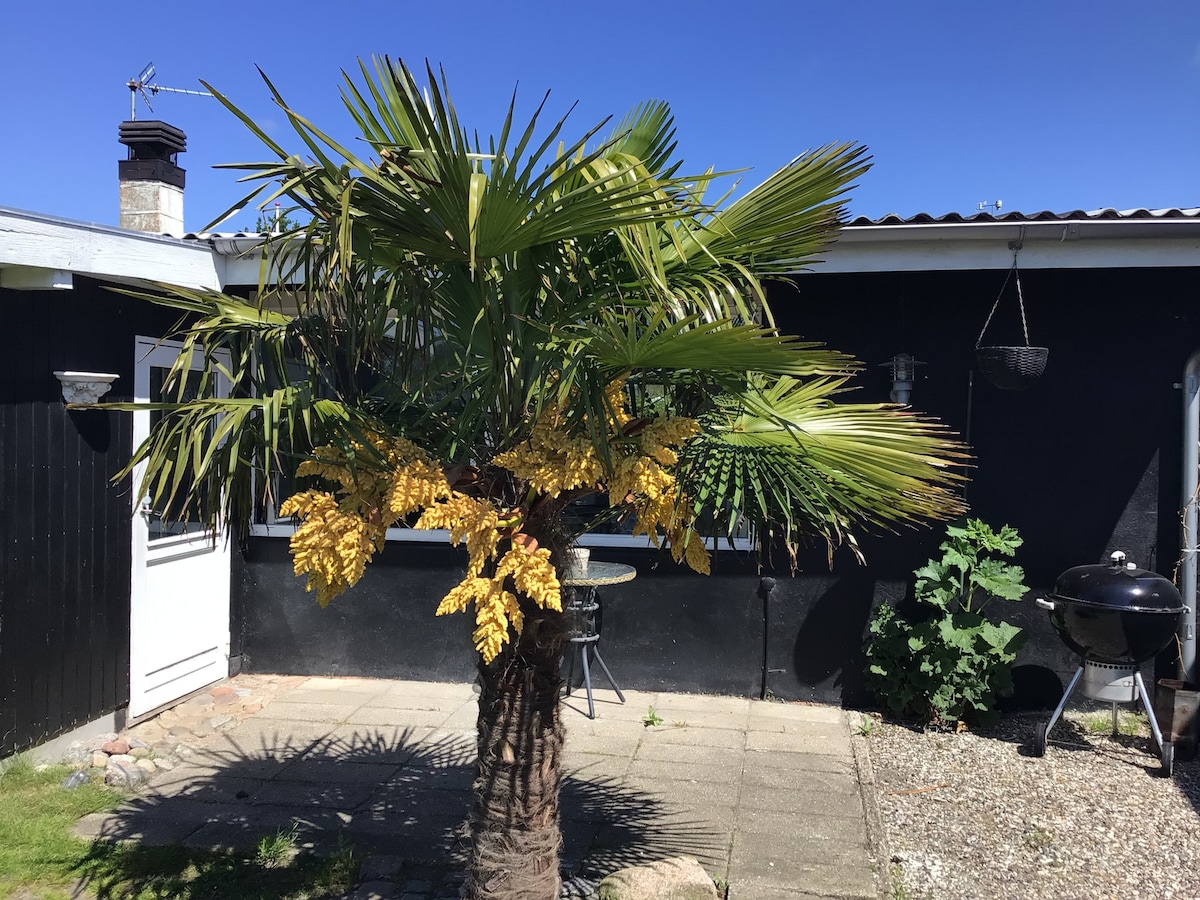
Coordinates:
[141,84]
[993,207]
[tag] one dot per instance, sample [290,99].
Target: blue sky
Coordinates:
[1069,104]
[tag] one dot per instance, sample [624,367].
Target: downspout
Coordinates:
[1191,486]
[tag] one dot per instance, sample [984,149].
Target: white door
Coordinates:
[179,610]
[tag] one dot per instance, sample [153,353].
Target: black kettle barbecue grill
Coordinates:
[1115,617]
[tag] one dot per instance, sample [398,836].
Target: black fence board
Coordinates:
[65,528]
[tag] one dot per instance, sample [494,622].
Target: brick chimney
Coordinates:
[151,180]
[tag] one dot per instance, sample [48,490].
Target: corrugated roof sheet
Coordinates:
[1077,215]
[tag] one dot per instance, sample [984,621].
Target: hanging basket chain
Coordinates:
[1016,248]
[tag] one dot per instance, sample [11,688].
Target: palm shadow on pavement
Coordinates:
[349,793]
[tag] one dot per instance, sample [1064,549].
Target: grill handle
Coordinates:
[1044,603]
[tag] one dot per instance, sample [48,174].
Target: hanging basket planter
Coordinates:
[1011,368]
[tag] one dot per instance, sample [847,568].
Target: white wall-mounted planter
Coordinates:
[84,387]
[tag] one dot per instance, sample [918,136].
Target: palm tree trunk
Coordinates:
[515,834]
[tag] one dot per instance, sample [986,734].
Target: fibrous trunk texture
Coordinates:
[514,814]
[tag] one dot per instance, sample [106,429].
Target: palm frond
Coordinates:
[786,453]
[447,289]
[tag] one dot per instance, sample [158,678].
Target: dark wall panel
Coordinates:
[64,528]
[384,627]
[669,629]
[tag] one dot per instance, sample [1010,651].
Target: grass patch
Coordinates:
[181,873]
[39,857]
[36,851]
[1128,722]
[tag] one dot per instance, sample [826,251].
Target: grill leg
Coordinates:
[1149,706]
[1063,702]
[1116,727]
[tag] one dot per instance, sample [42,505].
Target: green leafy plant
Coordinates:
[651,718]
[951,664]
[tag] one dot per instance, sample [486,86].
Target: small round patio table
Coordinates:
[586,618]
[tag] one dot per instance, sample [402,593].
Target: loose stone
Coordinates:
[124,775]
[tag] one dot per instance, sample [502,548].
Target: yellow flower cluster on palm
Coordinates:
[553,461]
[338,535]
[340,531]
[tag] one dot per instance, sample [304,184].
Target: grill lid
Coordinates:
[1118,586]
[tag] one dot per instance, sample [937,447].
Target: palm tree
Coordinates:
[473,335]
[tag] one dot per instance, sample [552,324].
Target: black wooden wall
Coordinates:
[64,528]
[1085,462]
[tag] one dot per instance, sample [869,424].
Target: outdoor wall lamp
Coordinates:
[904,373]
[84,387]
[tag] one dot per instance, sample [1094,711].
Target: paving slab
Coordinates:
[835,882]
[609,706]
[614,743]
[398,717]
[219,787]
[369,743]
[324,713]
[702,718]
[795,841]
[324,771]
[708,772]
[713,800]
[686,754]
[809,828]
[581,764]
[807,762]
[704,737]
[345,683]
[351,694]
[764,714]
[306,795]
[798,779]
[812,802]
[832,740]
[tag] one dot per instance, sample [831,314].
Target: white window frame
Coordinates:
[282,529]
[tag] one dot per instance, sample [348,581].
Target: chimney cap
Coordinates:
[157,138]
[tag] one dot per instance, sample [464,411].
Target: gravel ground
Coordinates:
[976,815]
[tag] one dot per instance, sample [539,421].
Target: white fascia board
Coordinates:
[242,261]
[1105,244]
[33,241]
[26,278]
